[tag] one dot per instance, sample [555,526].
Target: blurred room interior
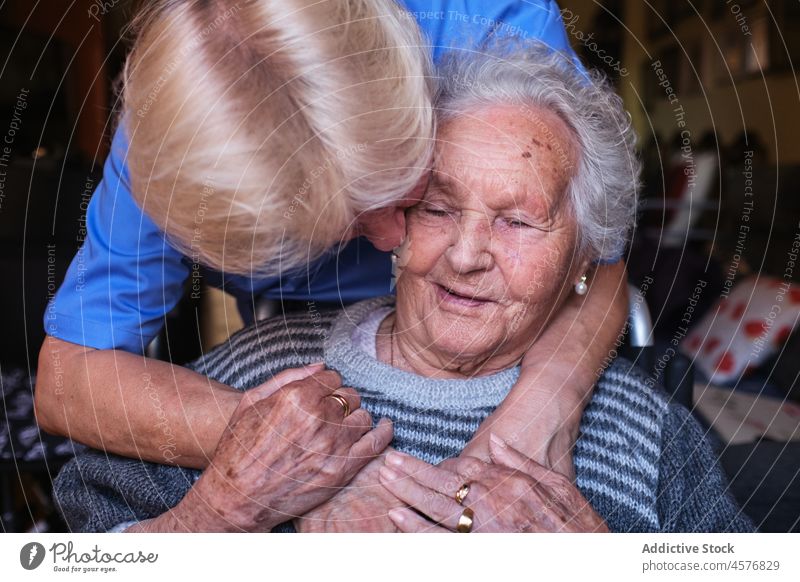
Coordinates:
[713,94]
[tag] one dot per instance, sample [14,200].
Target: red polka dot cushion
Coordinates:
[744,328]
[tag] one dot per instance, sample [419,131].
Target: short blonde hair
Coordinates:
[260,130]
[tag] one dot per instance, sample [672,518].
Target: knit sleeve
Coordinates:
[693,493]
[96,491]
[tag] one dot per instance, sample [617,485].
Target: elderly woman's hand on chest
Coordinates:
[512,494]
[363,506]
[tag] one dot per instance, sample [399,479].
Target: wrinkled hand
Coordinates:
[362,506]
[287,448]
[511,494]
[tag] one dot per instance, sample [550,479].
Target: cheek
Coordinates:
[536,271]
[425,247]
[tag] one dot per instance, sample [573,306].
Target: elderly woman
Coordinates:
[534,181]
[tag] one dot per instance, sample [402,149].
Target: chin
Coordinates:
[465,338]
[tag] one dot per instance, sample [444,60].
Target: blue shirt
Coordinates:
[125,276]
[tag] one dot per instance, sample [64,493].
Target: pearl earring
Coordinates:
[581,287]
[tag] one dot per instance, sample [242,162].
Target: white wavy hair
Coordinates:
[259,130]
[603,188]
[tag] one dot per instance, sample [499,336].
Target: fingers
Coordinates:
[355,426]
[504,454]
[439,507]
[436,478]
[408,521]
[326,381]
[283,378]
[369,446]
[335,409]
[359,421]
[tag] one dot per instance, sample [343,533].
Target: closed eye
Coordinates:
[516,223]
[435,211]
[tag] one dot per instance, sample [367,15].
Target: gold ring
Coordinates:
[462,493]
[465,521]
[343,401]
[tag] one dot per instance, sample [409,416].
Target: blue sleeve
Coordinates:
[450,24]
[125,276]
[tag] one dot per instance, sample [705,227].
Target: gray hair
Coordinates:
[603,188]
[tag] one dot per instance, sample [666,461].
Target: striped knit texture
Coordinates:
[641,462]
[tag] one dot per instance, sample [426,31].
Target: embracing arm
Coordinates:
[287,448]
[131,405]
[113,399]
[542,413]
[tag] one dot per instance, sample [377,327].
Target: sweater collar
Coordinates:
[360,370]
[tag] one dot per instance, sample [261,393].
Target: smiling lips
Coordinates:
[460,297]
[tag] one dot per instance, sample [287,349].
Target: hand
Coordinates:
[512,494]
[288,448]
[362,506]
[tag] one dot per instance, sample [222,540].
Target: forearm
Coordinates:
[542,413]
[131,405]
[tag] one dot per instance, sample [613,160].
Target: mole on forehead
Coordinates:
[533,131]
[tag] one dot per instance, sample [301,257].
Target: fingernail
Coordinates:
[389,474]
[316,365]
[395,459]
[496,439]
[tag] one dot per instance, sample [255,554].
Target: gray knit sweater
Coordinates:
[642,462]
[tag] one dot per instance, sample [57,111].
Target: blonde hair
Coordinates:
[259,130]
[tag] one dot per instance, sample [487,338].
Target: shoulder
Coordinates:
[626,393]
[252,355]
[639,446]
[445,20]
[617,452]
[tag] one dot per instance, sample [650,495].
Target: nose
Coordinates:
[471,245]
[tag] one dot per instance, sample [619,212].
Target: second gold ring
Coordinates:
[462,493]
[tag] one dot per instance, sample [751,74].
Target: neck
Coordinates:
[398,346]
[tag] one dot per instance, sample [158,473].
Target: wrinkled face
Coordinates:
[492,247]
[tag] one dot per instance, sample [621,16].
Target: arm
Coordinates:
[558,375]
[131,405]
[288,448]
[123,280]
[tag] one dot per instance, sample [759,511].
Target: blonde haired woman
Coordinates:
[256,135]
